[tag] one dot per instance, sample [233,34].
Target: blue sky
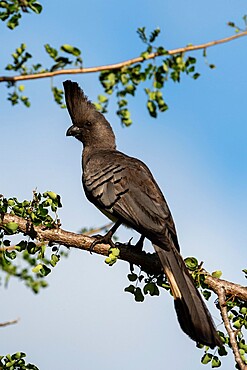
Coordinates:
[196,151]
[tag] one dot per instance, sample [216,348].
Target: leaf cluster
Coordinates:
[13,9]
[124,82]
[15,362]
[60,61]
[148,285]
[36,259]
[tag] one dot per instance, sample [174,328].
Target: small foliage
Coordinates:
[145,285]
[15,362]
[113,255]
[124,82]
[38,260]
[19,64]
[13,9]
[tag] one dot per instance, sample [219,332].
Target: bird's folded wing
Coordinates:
[126,188]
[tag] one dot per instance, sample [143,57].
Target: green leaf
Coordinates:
[132,277]
[206,358]
[18,355]
[217,274]
[37,268]
[139,297]
[216,362]
[222,351]
[54,259]
[152,108]
[51,195]
[11,255]
[154,35]
[196,75]
[142,34]
[207,294]
[151,288]
[108,260]
[242,345]
[115,252]
[130,289]
[238,323]
[70,49]
[144,55]
[21,88]
[191,263]
[14,21]
[51,51]
[35,7]
[11,227]
[102,98]
[243,310]
[45,270]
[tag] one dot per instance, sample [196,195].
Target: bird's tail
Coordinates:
[192,313]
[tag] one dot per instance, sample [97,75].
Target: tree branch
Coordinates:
[146,261]
[232,334]
[121,64]
[7,323]
[98,229]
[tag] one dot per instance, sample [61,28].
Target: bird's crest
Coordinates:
[80,108]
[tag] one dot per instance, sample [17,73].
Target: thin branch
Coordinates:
[232,334]
[99,229]
[9,248]
[7,323]
[121,64]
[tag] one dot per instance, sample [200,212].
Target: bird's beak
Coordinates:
[73,131]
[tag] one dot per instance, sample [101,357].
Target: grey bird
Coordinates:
[124,189]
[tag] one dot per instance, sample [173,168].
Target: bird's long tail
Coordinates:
[192,313]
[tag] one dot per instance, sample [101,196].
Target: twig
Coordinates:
[9,248]
[2,324]
[121,64]
[232,334]
[99,229]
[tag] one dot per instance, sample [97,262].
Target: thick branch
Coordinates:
[121,64]
[231,289]
[148,262]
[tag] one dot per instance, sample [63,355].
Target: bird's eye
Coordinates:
[87,124]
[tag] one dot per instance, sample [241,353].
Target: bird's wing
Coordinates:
[124,187]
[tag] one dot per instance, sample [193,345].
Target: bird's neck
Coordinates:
[90,150]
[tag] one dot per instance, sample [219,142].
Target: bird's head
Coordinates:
[89,126]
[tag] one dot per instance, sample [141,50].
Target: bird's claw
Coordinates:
[101,239]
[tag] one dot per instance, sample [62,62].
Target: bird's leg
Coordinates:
[139,245]
[105,239]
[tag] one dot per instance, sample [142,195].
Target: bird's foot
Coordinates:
[102,239]
[138,246]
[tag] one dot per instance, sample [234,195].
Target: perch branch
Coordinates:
[147,261]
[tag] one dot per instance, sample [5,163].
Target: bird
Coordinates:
[124,189]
